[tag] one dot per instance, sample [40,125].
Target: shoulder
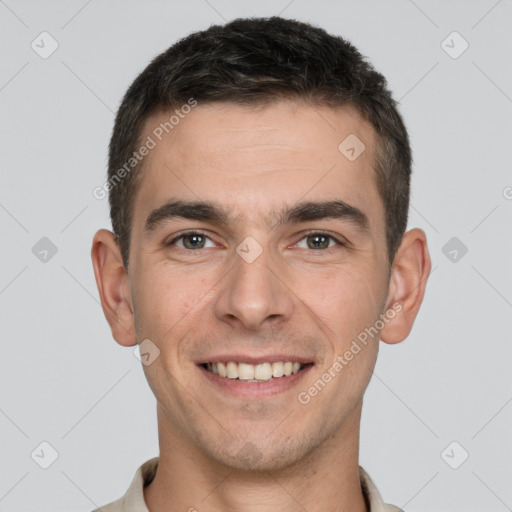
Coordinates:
[372,495]
[133,500]
[115,506]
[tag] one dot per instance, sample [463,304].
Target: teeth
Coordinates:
[232,370]
[277,369]
[254,372]
[222,369]
[245,371]
[263,371]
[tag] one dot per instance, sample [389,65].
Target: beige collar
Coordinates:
[133,500]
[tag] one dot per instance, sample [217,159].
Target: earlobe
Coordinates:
[113,287]
[411,268]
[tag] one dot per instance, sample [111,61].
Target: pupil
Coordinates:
[189,238]
[317,237]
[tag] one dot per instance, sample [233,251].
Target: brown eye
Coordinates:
[193,241]
[319,241]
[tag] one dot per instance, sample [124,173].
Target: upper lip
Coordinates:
[248,359]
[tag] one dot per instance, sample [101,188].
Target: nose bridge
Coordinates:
[252,293]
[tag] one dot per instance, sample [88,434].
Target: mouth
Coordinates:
[255,373]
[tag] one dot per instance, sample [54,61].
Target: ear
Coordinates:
[408,280]
[114,287]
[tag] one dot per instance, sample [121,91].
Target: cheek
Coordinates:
[349,293]
[165,307]
[169,307]
[347,301]
[160,304]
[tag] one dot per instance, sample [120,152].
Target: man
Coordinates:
[259,188]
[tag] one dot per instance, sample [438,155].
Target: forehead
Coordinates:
[255,159]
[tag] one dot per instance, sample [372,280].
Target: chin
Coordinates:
[264,456]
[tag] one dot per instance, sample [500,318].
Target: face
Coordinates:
[286,263]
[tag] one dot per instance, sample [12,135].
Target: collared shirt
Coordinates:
[133,500]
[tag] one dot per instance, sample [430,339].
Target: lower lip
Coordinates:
[242,389]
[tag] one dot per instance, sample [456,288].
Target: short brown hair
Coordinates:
[255,61]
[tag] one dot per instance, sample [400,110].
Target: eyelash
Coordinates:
[338,242]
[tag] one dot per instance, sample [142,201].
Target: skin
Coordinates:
[223,452]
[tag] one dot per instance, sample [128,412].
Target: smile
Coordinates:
[262,372]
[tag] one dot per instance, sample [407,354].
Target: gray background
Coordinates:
[65,381]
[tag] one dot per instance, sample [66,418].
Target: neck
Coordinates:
[327,479]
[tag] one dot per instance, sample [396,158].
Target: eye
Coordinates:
[190,241]
[194,240]
[320,241]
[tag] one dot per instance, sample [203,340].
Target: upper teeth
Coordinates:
[258,372]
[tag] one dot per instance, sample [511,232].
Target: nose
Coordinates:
[254,293]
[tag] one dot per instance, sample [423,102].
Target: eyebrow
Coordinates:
[299,213]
